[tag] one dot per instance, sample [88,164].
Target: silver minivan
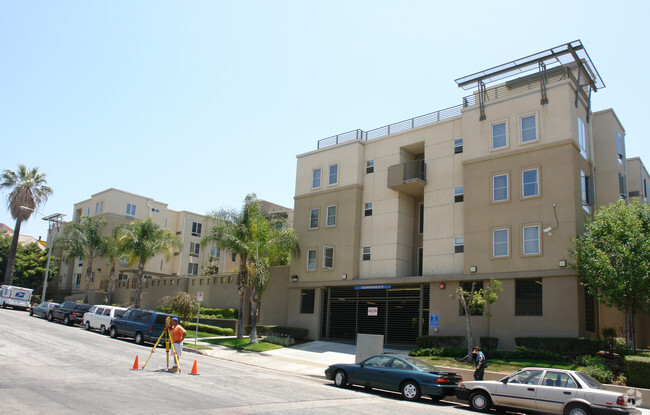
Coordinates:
[99,317]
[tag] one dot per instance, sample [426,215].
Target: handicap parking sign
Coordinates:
[433,320]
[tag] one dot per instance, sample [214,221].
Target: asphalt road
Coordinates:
[55,369]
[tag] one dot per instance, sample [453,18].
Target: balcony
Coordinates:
[409,177]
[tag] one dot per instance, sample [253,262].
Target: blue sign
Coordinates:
[20,295]
[372,287]
[433,321]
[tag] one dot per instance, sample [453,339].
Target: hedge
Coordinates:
[296,332]
[427,342]
[489,343]
[571,346]
[491,354]
[206,328]
[636,370]
[219,312]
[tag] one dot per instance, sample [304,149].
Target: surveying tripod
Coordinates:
[169,340]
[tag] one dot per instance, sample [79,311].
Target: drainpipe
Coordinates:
[148,203]
[180,256]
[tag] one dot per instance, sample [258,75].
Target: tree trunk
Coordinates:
[255,305]
[11,258]
[89,271]
[111,279]
[138,286]
[633,330]
[627,326]
[241,285]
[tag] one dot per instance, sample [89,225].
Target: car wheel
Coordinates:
[341,379]
[411,390]
[31,312]
[113,332]
[87,325]
[66,320]
[139,339]
[576,409]
[480,401]
[102,329]
[50,317]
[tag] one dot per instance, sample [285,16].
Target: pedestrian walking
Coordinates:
[178,335]
[481,363]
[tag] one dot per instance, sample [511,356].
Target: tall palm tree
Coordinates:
[84,240]
[113,254]
[140,241]
[28,189]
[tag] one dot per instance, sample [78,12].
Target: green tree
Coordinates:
[84,240]
[475,300]
[140,241]
[31,262]
[612,258]
[28,189]
[113,253]
[182,304]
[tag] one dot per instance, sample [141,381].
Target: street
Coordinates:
[56,369]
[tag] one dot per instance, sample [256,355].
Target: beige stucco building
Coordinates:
[391,221]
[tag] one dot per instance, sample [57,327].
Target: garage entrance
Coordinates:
[399,312]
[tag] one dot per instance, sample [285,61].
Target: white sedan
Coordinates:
[548,391]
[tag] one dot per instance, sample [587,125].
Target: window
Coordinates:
[528,128]
[311,260]
[586,184]
[645,189]
[622,185]
[590,312]
[458,146]
[500,245]
[130,209]
[193,269]
[307,298]
[195,249]
[531,240]
[331,216]
[368,209]
[315,178]
[530,183]
[233,257]
[459,245]
[78,279]
[499,136]
[96,207]
[500,188]
[619,147]
[155,210]
[196,228]
[470,286]
[215,252]
[328,257]
[528,297]
[421,222]
[582,137]
[313,218]
[87,211]
[420,261]
[370,166]
[459,194]
[366,253]
[333,174]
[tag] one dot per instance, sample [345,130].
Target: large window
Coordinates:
[331,216]
[370,166]
[307,298]
[500,188]
[531,240]
[367,211]
[528,128]
[620,149]
[196,228]
[315,178]
[530,183]
[499,136]
[528,297]
[365,256]
[313,218]
[130,209]
[582,137]
[500,243]
[195,249]
[311,260]
[215,252]
[333,174]
[328,257]
[586,187]
[192,269]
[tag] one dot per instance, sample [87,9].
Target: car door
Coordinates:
[131,322]
[518,390]
[555,390]
[372,371]
[395,372]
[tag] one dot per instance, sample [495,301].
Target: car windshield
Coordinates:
[421,364]
[591,382]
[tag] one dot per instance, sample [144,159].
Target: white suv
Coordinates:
[99,317]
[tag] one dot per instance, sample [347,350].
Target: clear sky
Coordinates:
[197,103]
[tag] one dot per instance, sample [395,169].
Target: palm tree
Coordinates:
[84,240]
[28,190]
[113,254]
[140,241]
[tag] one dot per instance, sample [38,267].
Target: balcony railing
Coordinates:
[409,177]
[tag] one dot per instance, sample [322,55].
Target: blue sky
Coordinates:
[197,103]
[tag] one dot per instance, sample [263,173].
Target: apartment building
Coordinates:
[393,220]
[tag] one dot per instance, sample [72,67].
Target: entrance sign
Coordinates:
[372,287]
[433,320]
[373,311]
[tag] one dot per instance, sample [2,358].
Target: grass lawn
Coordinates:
[496,365]
[244,344]
[197,347]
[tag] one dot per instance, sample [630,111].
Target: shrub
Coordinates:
[281,339]
[600,372]
[587,360]
[489,343]
[570,346]
[439,351]
[265,330]
[426,342]
[230,313]
[637,369]
[206,328]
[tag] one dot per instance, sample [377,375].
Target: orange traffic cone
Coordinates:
[136,365]
[194,370]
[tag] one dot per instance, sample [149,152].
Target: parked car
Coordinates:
[410,376]
[99,317]
[140,325]
[548,391]
[42,309]
[69,312]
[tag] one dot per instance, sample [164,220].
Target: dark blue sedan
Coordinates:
[410,376]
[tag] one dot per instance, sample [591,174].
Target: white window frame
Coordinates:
[330,216]
[370,166]
[312,260]
[130,209]
[192,269]
[195,249]
[507,187]
[522,131]
[316,178]
[367,209]
[535,240]
[492,136]
[366,253]
[197,228]
[524,183]
[333,180]
[312,218]
[495,243]
[326,257]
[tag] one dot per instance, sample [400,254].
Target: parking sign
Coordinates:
[199,296]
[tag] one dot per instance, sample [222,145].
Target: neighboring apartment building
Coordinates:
[637,179]
[391,221]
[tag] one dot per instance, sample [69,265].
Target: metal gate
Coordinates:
[399,312]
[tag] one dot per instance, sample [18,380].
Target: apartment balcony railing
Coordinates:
[409,177]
